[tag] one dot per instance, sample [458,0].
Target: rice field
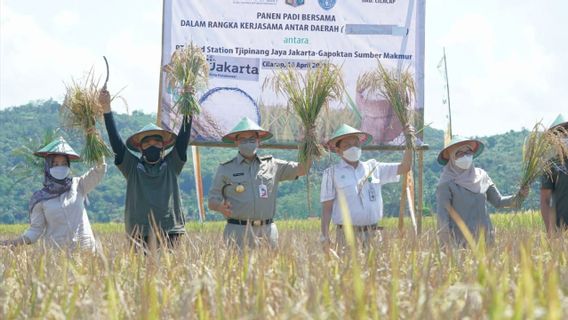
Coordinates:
[524,276]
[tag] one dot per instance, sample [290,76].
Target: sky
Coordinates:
[506,59]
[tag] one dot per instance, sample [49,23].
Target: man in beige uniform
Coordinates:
[244,189]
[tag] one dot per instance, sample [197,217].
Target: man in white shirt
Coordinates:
[359,182]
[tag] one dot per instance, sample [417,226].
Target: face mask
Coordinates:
[352,154]
[248,149]
[152,154]
[464,162]
[59,172]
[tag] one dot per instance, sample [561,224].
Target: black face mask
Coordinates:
[152,154]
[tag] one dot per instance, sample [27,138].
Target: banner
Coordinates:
[247,40]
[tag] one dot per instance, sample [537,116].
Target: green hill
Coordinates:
[27,125]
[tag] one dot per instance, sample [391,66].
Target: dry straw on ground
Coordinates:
[186,74]
[81,111]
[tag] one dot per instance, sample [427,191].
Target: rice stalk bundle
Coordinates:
[397,87]
[187,72]
[81,111]
[542,151]
[308,94]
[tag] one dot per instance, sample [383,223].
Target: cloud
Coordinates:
[503,71]
[66,19]
[35,63]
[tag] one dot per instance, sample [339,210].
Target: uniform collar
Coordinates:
[240,158]
[343,164]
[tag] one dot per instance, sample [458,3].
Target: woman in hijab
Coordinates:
[57,211]
[466,189]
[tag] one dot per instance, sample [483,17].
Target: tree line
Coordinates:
[25,128]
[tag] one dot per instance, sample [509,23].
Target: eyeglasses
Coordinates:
[462,153]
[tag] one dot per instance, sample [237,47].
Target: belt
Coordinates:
[371,227]
[250,222]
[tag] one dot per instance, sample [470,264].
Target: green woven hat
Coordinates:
[559,122]
[477,147]
[246,125]
[344,131]
[135,140]
[58,146]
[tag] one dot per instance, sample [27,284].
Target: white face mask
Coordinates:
[352,154]
[464,162]
[59,172]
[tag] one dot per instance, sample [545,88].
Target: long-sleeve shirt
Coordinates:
[63,221]
[151,189]
[472,209]
[119,148]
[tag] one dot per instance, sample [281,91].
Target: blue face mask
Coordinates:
[248,148]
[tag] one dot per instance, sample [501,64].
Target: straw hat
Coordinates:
[246,125]
[135,140]
[344,131]
[58,147]
[559,122]
[477,147]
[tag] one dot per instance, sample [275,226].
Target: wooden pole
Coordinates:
[410,199]
[402,204]
[198,182]
[420,206]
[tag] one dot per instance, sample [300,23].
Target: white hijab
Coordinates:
[473,179]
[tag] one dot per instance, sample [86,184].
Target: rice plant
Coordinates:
[542,150]
[308,94]
[397,87]
[523,275]
[81,111]
[187,73]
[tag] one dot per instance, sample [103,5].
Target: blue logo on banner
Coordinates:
[327,4]
[295,3]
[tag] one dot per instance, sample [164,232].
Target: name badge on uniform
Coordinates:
[263,191]
[372,194]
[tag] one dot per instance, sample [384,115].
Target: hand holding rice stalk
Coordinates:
[80,111]
[308,94]
[541,149]
[398,88]
[187,73]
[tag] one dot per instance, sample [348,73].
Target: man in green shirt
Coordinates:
[554,189]
[152,179]
[244,189]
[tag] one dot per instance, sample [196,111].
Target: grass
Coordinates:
[525,275]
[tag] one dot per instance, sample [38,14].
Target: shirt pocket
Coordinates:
[238,188]
[373,189]
[348,187]
[266,178]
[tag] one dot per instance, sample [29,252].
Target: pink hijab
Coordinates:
[473,179]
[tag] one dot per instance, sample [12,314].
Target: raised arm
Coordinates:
[182,140]
[92,178]
[116,142]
